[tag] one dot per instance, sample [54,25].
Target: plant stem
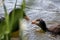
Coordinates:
[7,37]
[20,30]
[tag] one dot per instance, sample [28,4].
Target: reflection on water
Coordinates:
[48,10]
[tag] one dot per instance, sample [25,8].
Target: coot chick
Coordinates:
[41,23]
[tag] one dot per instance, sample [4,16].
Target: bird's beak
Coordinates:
[35,22]
[27,18]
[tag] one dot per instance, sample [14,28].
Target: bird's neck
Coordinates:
[43,25]
[44,28]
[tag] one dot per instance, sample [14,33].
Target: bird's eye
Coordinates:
[37,20]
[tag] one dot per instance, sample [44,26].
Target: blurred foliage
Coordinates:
[6,24]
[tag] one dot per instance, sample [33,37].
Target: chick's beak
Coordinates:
[35,22]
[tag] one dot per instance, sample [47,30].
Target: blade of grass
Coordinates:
[6,19]
[2,26]
[12,17]
[7,27]
[22,9]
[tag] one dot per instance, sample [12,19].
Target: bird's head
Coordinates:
[41,23]
[37,21]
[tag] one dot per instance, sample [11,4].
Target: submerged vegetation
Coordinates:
[6,25]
